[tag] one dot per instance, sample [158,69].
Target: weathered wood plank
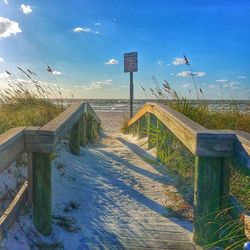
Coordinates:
[30,179]
[90,111]
[11,146]
[208,192]
[142,127]
[42,193]
[152,130]
[64,122]
[199,140]
[10,216]
[83,132]
[74,142]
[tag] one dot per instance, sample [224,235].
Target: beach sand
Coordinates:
[112,121]
[119,192]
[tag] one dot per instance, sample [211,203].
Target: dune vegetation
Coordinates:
[180,162]
[27,101]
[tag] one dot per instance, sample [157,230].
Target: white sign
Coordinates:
[130,62]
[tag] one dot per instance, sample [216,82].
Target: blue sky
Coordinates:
[84,41]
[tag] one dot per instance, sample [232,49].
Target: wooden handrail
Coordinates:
[198,139]
[212,149]
[11,146]
[40,139]
[39,142]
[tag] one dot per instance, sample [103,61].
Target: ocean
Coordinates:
[122,105]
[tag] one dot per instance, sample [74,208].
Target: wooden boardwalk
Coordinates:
[117,195]
[120,197]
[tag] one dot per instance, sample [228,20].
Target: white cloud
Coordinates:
[221,80]
[97,24]
[56,73]
[8,27]
[186,85]
[1,59]
[189,73]
[242,77]
[231,85]
[6,1]
[26,9]
[160,63]
[4,75]
[172,74]
[97,84]
[84,30]
[179,61]
[81,29]
[213,86]
[112,61]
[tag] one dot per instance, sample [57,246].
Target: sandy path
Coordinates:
[120,199]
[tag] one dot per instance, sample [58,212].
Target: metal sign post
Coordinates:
[131,65]
[131,94]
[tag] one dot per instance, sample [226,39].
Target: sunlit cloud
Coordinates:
[178,61]
[189,73]
[186,85]
[81,29]
[221,80]
[1,59]
[97,24]
[213,86]
[26,9]
[57,73]
[97,84]
[231,85]
[112,61]
[242,77]
[8,27]
[84,30]
[4,75]
[160,63]
[6,1]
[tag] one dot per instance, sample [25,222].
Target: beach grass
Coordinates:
[27,101]
[180,161]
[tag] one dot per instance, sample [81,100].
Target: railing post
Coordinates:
[142,127]
[158,132]
[152,129]
[90,128]
[211,191]
[42,192]
[94,129]
[30,178]
[83,131]
[134,129]
[74,142]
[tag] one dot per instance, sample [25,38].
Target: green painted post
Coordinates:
[225,178]
[152,129]
[90,129]
[95,133]
[158,127]
[210,189]
[98,129]
[42,192]
[142,127]
[74,142]
[83,131]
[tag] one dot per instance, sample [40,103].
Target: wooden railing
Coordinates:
[213,150]
[81,122]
